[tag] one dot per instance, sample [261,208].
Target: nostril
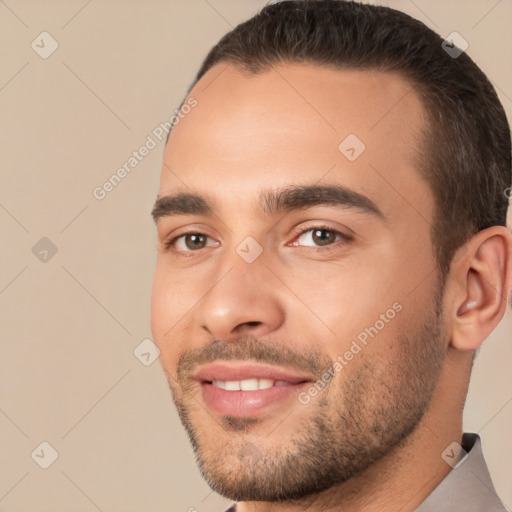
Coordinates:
[245,326]
[250,328]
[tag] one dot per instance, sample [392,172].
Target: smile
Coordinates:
[245,389]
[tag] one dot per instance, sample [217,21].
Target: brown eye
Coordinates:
[190,242]
[195,241]
[323,236]
[319,236]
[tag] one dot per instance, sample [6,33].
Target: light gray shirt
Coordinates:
[466,488]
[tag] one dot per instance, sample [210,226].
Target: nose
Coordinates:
[243,300]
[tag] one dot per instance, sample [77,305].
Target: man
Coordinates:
[332,251]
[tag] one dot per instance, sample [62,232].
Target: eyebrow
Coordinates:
[272,201]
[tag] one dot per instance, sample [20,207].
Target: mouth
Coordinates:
[248,384]
[241,389]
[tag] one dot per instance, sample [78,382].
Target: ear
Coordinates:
[481,282]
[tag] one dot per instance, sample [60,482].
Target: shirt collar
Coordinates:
[468,486]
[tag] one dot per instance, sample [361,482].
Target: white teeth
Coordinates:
[232,385]
[265,383]
[248,384]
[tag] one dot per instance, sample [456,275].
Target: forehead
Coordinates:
[299,123]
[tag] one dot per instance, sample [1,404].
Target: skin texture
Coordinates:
[372,438]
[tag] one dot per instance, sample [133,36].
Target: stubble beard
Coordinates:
[354,422]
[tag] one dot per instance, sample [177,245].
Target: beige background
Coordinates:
[69,325]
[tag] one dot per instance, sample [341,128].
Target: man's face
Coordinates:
[265,296]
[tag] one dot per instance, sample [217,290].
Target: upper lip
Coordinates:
[225,371]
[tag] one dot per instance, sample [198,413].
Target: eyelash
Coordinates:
[343,239]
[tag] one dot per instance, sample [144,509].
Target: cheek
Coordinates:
[361,301]
[170,302]
[159,304]
[346,297]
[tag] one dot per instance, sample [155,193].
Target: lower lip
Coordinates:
[246,403]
